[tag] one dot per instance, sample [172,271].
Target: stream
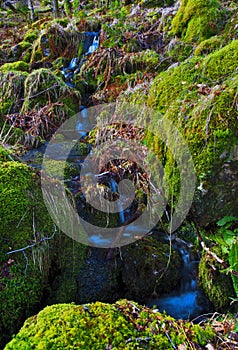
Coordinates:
[187,301]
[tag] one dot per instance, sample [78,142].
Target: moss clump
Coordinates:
[42,87]
[56,167]
[208,45]
[222,63]
[124,325]
[217,286]
[180,50]
[199,98]
[19,51]
[21,282]
[15,66]
[11,91]
[31,35]
[56,41]
[197,20]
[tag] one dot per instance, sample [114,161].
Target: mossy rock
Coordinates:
[56,167]
[209,45]
[198,97]
[15,66]
[124,325]
[217,286]
[222,63]
[179,50]
[31,35]
[21,205]
[57,260]
[56,41]
[42,87]
[197,20]
[11,91]
[19,51]
[144,261]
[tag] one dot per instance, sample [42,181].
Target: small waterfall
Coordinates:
[114,188]
[94,45]
[76,63]
[187,301]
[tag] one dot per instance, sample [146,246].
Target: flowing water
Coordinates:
[187,301]
[76,63]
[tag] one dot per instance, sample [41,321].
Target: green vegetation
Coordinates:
[25,221]
[226,247]
[42,87]
[123,325]
[18,66]
[198,94]
[197,20]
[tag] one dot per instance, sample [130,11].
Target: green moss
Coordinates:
[21,203]
[11,91]
[217,286]
[124,325]
[56,41]
[43,80]
[180,51]
[31,35]
[5,155]
[15,66]
[197,20]
[204,112]
[60,258]
[208,45]
[221,63]
[56,167]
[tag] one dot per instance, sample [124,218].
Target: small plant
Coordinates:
[228,239]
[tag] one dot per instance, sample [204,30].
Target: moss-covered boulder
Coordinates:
[31,35]
[15,66]
[197,20]
[217,286]
[144,269]
[21,283]
[42,87]
[11,91]
[56,41]
[123,325]
[21,51]
[208,45]
[107,275]
[199,98]
[50,262]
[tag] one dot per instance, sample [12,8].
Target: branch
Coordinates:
[33,244]
[219,260]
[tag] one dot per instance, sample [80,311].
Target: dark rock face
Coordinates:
[137,272]
[98,279]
